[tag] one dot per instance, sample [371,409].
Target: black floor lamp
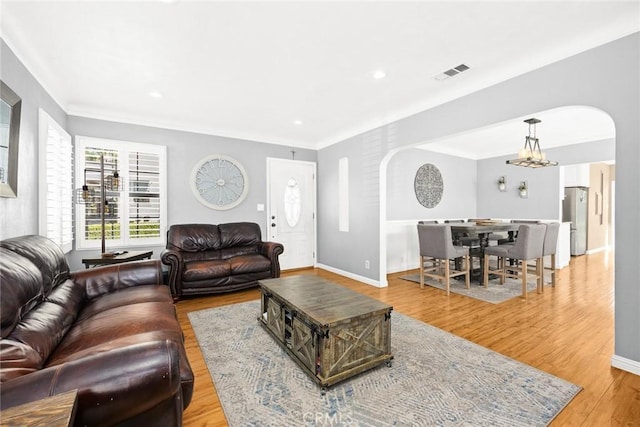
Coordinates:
[98,198]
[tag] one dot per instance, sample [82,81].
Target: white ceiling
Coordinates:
[558,127]
[251,69]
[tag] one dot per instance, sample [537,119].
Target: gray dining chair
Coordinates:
[523,221]
[436,243]
[549,248]
[432,261]
[528,246]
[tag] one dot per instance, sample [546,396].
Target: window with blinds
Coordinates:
[55,182]
[134,216]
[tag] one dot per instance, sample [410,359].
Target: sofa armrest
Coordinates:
[272,250]
[174,260]
[109,278]
[112,386]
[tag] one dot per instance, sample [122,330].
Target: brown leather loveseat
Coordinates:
[111,333]
[208,259]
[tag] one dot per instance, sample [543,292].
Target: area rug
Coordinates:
[495,293]
[436,379]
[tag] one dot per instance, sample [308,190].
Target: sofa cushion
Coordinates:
[20,289]
[193,237]
[239,234]
[126,296]
[249,264]
[201,256]
[33,339]
[45,255]
[44,327]
[17,359]
[69,295]
[203,270]
[102,330]
[234,251]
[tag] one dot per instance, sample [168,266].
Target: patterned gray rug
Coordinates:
[437,379]
[495,293]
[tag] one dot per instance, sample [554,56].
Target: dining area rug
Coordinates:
[495,293]
[436,378]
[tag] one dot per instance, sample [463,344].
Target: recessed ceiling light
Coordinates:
[155,94]
[297,122]
[379,75]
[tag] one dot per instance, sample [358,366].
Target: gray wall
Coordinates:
[19,216]
[458,176]
[584,79]
[545,189]
[364,156]
[184,149]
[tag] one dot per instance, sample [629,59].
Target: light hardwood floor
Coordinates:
[566,331]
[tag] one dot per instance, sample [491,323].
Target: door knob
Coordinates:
[273,224]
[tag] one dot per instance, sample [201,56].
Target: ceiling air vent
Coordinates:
[452,72]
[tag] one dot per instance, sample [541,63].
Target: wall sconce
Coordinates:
[523,188]
[502,184]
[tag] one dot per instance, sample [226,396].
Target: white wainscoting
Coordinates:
[402,245]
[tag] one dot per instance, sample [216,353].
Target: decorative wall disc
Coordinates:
[428,185]
[219,182]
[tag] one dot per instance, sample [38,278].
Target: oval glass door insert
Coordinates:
[292,202]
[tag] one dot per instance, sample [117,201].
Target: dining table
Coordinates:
[483,231]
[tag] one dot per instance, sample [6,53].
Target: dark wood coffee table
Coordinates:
[124,256]
[331,332]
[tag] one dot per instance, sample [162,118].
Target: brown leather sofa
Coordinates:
[209,259]
[109,332]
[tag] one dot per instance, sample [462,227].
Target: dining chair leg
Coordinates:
[467,272]
[485,279]
[540,275]
[502,262]
[446,276]
[523,272]
[421,272]
[553,270]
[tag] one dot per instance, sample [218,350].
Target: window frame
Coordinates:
[64,208]
[124,148]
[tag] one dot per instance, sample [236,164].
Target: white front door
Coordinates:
[291,210]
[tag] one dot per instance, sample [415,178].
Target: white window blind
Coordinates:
[135,216]
[55,182]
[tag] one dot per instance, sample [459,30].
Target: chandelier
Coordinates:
[531,156]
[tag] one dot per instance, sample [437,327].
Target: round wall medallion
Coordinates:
[428,185]
[219,182]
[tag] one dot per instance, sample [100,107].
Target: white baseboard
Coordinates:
[625,364]
[353,276]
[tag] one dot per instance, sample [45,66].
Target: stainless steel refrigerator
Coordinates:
[574,210]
